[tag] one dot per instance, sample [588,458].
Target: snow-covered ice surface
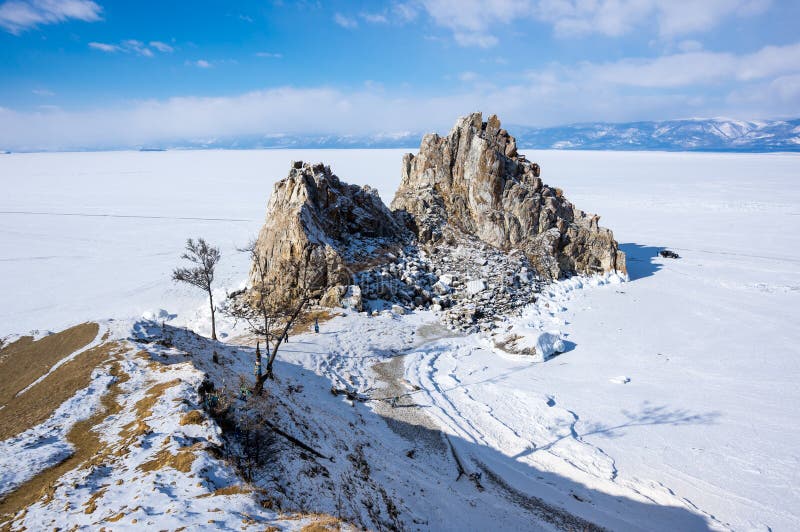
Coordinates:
[672,407]
[88,236]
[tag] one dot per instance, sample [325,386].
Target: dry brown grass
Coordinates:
[144,409]
[91,505]
[24,361]
[192,417]
[323,523]
[41,400]
[86,442]
[305,322]
[115,518]
[181,461]
[236,489]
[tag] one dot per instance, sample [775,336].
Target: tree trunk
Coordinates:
[274,353]
[213,322]
[285,331]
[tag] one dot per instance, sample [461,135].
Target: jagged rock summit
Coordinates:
[473,183]
[315,219]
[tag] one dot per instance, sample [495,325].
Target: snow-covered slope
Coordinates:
[131,450]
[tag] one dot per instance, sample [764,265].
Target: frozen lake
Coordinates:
[709,341]
[93,235]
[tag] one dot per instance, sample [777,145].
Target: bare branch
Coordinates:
[279,294]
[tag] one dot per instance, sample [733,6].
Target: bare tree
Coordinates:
[269,308]
[204,259]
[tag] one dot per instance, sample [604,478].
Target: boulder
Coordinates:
[441,288]
[332,297]
[352,298]
[476,286]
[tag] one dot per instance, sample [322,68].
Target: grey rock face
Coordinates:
[332,227]
[473,182]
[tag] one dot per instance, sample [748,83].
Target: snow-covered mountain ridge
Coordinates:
[715,134]
[695,134]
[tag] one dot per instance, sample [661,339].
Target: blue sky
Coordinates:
[94,73]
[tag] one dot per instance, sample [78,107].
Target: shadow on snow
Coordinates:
[639,260]
[534,494]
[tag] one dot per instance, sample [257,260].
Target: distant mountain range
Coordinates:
[713,134]
[716,134]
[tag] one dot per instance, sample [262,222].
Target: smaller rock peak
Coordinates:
[312,169]
[491,131]
[312,177]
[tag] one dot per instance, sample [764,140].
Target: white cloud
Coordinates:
[374,18]
[693,68]
[468,76]
[680,17]
[475,39]
[202,63]
[781,92]
[475,15]
[345,22]
[618,17]
[132,46]
[398,13]
[374,86]
[271,55]
[17,16]
[161,46]
[473,22]
[404,12]
[104,47]
[137,47]
[786,88]
[43,92]
[690,45]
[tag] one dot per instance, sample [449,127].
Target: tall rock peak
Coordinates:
[313,218]
[474,184]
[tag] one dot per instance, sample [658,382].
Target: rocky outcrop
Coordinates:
[474,184]
[328,227]
[473,234]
